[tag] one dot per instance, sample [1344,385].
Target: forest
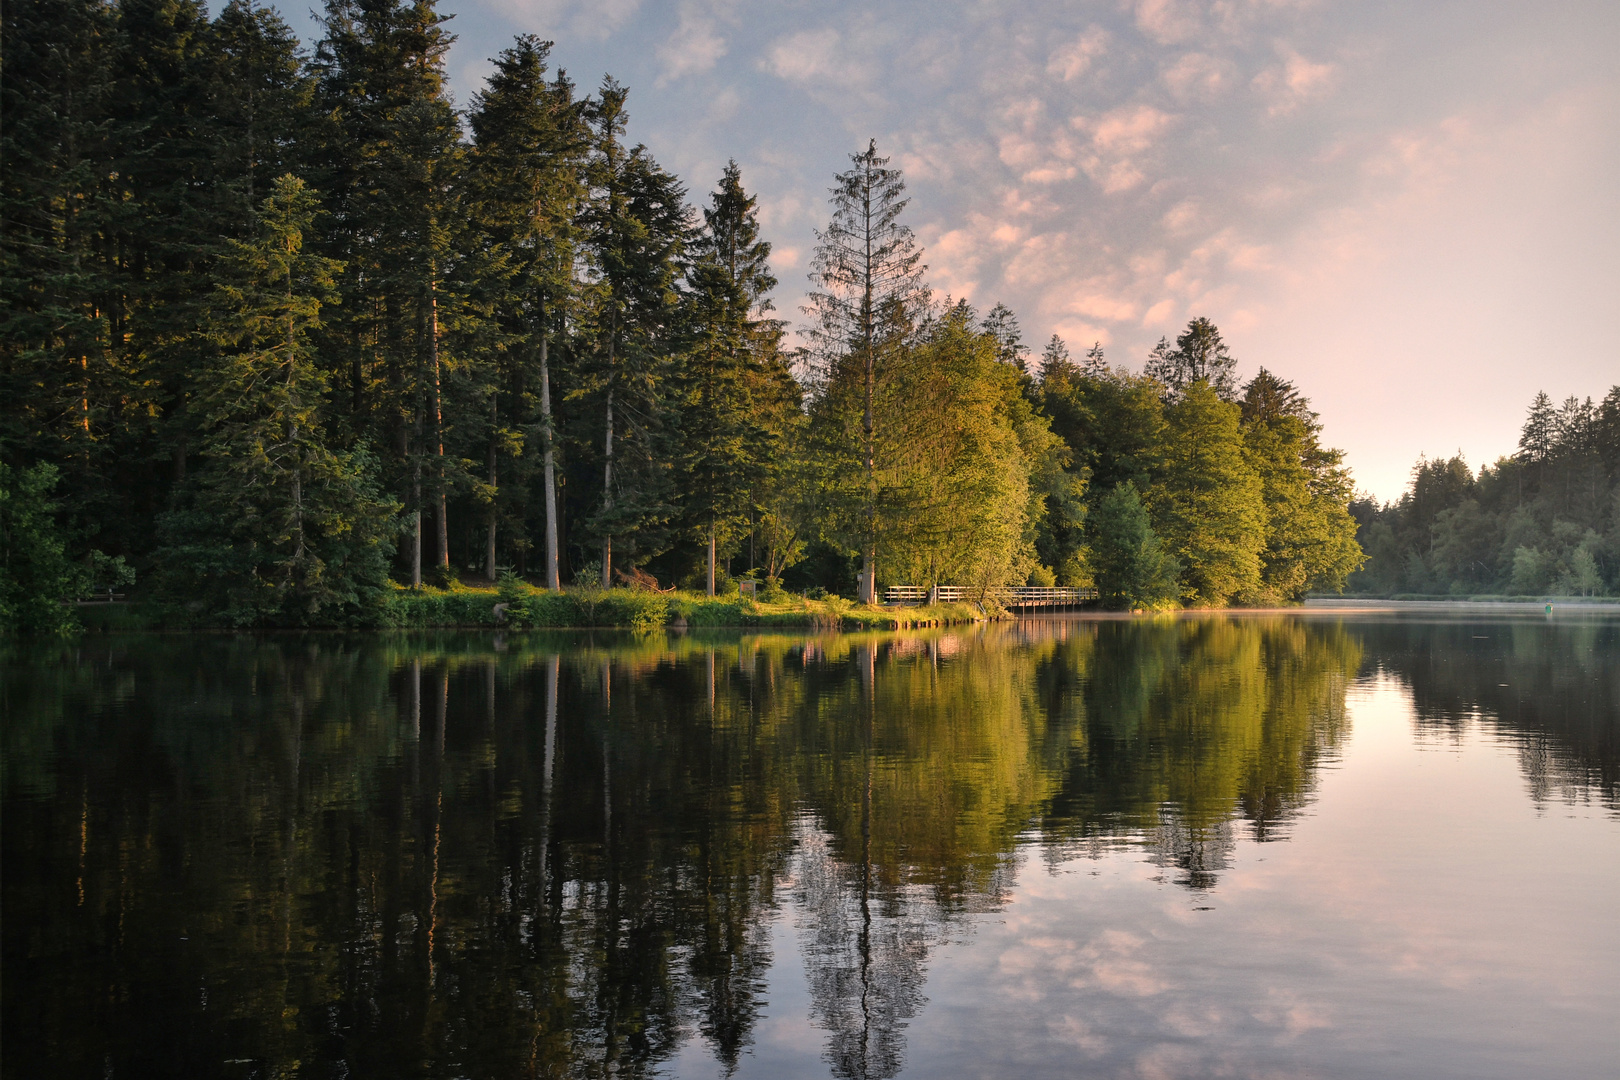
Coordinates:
[1543,522]
[285,334]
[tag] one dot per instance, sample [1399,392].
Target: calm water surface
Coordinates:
[1290,846]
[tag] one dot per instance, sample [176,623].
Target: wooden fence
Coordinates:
[1023,596]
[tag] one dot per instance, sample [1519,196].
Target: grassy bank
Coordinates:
[516,605]
[640,610]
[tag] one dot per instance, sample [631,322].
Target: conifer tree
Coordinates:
[1056,365]
[1002,325]
[279,524]
[1199,353]
[529,188]
[869,291]
[388,141]
[1131,565]
[639,226]
[56,202]
[728,442]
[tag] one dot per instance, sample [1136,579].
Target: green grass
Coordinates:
[526,607]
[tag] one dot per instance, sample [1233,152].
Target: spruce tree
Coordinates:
[1131,565]
[388,140]
[528,186]
[1002,325]
[1199,353]
[728,444]
[278,525]
[639,226]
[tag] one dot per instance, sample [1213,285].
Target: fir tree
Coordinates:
[1131,565]
[727,443]
[639,226]
[1002,325]
[388,138]
[1056,366]
[279,526]
[528,180]
[1199,354]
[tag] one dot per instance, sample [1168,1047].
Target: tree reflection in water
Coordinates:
[558,855]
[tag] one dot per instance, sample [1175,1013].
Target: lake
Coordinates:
[1303,845]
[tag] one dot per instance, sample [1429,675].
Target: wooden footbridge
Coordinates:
[1023,597]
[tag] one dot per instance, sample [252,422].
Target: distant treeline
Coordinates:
[283,328]
[1545,521]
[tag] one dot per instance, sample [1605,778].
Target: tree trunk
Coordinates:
[546,439]
[607,494]
[416,523]
[494,449]
[608,478]
[711,558]
[438,418]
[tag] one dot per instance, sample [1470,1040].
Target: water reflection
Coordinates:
[559,855]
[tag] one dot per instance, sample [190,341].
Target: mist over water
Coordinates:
[1325,845]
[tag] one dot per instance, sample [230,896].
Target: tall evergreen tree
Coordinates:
[729,444]
[869,291]
[389,136]
[1131,565]
[529,188]
[1002,324]
[278,525]
[1199,353]
[639,226]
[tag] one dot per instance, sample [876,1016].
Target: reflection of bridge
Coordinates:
[1024,596]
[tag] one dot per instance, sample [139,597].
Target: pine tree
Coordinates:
[639,226]
[279,525]
[1198,354]
[389,141]
[728,445]
[869,290]
[528,180]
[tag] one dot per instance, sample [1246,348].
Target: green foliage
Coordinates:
[1132,567]
[267,312]
[1208,503]
[36,578]
[1310,535]
[424,607]
[276,527]
[1544,522]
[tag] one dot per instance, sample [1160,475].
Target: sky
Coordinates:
[1410,210]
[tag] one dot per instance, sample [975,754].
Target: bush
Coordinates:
[456,606]
[35,575]
[635,609]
